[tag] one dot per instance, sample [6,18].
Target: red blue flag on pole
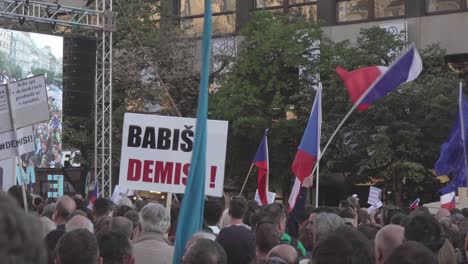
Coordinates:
[367,85]
[309,149]
[94,195]
[261,162]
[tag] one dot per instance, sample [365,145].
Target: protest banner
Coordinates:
[5,118]
[16,143]
[7,173]
[28,101]
[374,195]
[156,152]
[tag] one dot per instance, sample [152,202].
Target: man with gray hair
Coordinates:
[386,241]
[151,245]
[79,222]
[325,224]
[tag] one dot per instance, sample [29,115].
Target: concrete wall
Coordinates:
[449,30]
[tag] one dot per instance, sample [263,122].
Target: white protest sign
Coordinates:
[270,197]
[28,101]
[5,118]
[120,192]
[13,144]
[374,207]
[156,153]
[7,173]
[374,195]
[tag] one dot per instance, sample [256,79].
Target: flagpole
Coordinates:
[462,130]
[317,187]
[246,178]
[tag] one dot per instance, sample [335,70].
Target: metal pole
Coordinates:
[246,178]
[462,122]
[317,187]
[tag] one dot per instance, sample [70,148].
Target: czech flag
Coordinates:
[309,149]
[447,201]
[367,85]
[94,195]
[415,204]
[261,162]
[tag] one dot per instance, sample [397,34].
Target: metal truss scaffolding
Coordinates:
[102,22]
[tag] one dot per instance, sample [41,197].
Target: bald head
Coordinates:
[121,225]
[79,222]
[285,252]
[442,213]
[64,207]
[386,241]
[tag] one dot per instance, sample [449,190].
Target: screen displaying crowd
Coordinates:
[23,55]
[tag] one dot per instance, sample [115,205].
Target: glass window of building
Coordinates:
[443,5]
[389,8]
[292,2]
[309,12]
[353,10]
[196,7]
[267,3]
[222,24]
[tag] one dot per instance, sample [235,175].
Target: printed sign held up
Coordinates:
[14,143]
[156,153]
[374,195]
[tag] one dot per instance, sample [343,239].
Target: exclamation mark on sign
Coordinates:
[213,176]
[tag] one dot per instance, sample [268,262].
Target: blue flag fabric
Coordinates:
[452,158]
[191,211]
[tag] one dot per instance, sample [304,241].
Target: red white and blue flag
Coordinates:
[309,148]
[261,162]
[375,82]
[415,204]
[94,195]
[447,201]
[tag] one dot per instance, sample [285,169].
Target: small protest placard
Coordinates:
[270,197]
[374,207]
[14,143]
[374,195]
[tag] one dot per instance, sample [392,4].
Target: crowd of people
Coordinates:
[66,231]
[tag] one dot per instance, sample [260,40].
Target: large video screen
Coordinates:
[25,54]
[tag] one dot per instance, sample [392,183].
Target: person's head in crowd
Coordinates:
[446,254]
[387,213]
[64,207]
[252,208]
[102,224]
[51,241]
[16,192]
[326,224]
[47,225]
[78,247]
[386,241]
[353,201]
[115,248]
[212,214]
[102,207]
[363,216]
[283,254]
[455,218]
[455,211]
[175,209]
[125,201]
[398,219]
[237,209]
[278,214]
[132,215]
[154,218]
[121,225]
[411,252]
[348,214]
[36,201]
[50,200]
[120,210]
[78,200]
[48,210]
[306,230]
[139,204]
[77,212]
[451,231]
[426,230]
[443,212]
[344,204]
[421,210]
[344,245]
[465,212]
[266,237]
[21,239]
[79,222]
[199,235]
[205,251]
[368,230]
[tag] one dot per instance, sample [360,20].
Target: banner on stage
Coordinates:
[374,195]
[156,153]
[14,143]
[7,173]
